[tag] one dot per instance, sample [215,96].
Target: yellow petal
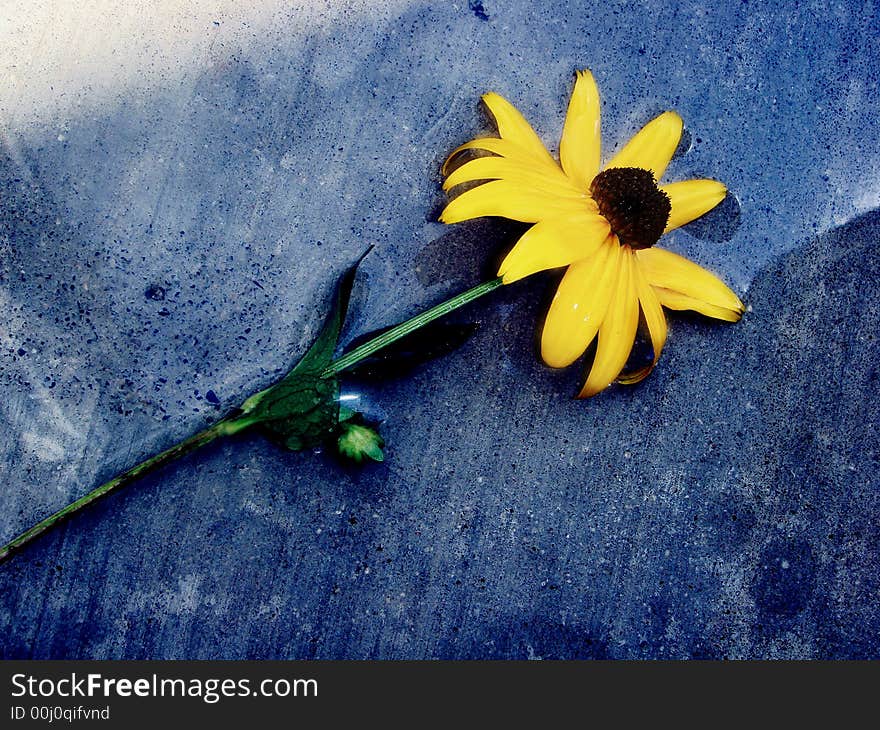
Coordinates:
[655,319]
[579,148]
[690,199]
[653,145]
[494,145]
[670,271]
[618,330]
[525,174]
[508,200]
[676,300]
[579,306]
[554,242]
[507,149]
[513,127]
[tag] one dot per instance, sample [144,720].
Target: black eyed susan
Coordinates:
[602,225]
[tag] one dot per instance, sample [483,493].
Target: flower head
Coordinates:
[602,225]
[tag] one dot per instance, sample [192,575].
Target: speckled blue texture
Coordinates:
[168,251]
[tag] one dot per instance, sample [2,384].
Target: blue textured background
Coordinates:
[168,247]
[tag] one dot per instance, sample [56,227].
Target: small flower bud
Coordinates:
[357,442]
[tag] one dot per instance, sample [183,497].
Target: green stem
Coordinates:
[411,325]
[222,428]
[233,425]
[392,335]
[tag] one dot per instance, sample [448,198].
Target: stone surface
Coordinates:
[169,233]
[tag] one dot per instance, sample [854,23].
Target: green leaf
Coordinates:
[302,409]
[320,354]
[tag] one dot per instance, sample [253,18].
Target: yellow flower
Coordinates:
[601,225]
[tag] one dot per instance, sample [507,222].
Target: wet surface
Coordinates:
[165,254]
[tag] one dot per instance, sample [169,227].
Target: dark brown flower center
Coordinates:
[631,202]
